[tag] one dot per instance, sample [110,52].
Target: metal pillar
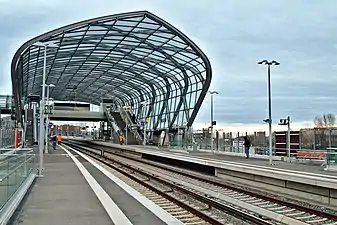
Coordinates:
[270,121]
[288,139]
[211,122]
[47,122]
[126,133]
[41,136]
[35,121]
[144,141]
[330,132]
[238,141]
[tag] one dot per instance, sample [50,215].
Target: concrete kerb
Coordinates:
[289,175]
[9,208]
[216,152]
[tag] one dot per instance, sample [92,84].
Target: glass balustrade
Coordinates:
[15,167]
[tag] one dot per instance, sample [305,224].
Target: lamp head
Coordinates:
[275,63]
[267,121]
[213,92]
[263,62]
[266,62]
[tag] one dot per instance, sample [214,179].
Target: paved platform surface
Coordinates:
[63,196]
[296,166]
[136,212]
[308,166]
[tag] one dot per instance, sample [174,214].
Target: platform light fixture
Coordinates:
[47,116]
[212,121]
[286,122]
[269,119]
[144,104]
[45,45]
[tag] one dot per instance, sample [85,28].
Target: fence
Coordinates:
[181,139]
[230,141]
[15,166]
[7,137]
[310,139]
[318,138]
[7,133]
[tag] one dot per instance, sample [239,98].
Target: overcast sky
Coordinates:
[235,35]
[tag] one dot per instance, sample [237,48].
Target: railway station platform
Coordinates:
[77,191]
[309,182]
[221,156]
[301,165]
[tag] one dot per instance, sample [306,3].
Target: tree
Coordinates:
[318,122]
[325,121]
[331,119]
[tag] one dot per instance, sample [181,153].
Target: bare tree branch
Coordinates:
[331,118]
[325,121]
[318,122]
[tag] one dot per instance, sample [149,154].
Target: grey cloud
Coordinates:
[300,34]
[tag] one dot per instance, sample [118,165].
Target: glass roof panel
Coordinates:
[128,55]
[74,34]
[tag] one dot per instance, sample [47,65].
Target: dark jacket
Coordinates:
[53,138]
[247,143]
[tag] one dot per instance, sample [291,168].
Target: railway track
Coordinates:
[161,198]
[304,214]
[283,212]
[187,206]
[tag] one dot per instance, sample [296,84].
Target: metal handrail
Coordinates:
[15,169]
[124,114]
[135,132]
[17,156]
[111,120]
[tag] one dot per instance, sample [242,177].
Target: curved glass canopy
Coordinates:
[131,57]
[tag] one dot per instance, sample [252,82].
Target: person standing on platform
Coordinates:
[59,139]
[54,139]
[246,144]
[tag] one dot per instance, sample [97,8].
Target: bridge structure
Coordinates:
[141,71]
[6,104]
[62,111]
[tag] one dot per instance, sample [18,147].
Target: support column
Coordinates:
[35,116]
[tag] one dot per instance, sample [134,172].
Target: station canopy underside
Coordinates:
[129,57]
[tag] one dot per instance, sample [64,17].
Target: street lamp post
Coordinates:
[269,120]
[126,131]
[144,104]
[42,104]
[287,122]
[47,117]
[212,121]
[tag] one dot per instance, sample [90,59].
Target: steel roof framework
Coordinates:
[131,57]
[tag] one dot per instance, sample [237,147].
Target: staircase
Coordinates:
[131,139]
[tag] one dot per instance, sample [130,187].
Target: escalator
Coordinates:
[133,124]
[131,139]
[115,130]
